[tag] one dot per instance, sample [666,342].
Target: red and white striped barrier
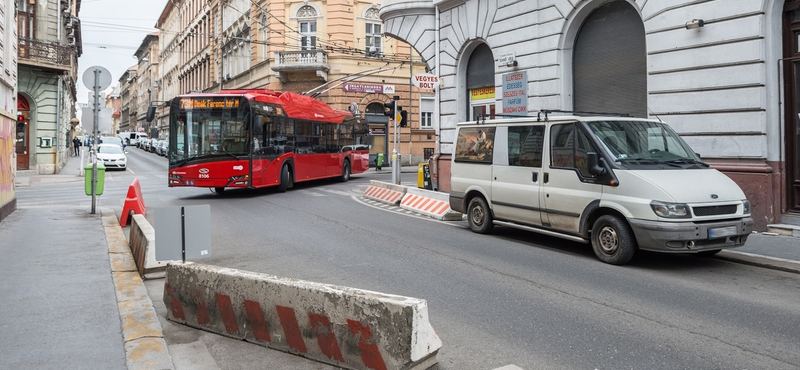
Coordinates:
[431,203]
[341,326]
[385,192]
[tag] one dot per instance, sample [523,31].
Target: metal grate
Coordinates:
[715,210]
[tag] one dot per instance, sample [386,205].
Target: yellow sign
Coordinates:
[199,103]
[482,93]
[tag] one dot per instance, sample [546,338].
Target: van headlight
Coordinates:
[670,210]
[746,206]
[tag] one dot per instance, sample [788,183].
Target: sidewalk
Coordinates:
[70,301]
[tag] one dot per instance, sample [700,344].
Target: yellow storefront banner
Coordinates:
[482,93]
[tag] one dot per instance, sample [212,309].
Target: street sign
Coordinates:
[103,78]
[425,81]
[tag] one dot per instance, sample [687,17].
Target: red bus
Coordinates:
[260,138]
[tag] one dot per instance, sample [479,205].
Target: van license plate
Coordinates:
[721,232]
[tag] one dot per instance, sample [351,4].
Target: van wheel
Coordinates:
[286,180]
[479,216]
[612,240]
[345,171]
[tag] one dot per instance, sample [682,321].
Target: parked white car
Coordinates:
[112,156]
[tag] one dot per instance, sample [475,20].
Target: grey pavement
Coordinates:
[63,304]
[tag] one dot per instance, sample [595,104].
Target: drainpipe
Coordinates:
[434,164]
[57,158]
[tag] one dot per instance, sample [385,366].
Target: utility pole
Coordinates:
[396,136]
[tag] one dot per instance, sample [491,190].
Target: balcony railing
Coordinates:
[45,54]
[303,60]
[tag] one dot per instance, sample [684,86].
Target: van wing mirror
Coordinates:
[593,162]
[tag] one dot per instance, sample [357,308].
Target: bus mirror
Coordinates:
[151,113]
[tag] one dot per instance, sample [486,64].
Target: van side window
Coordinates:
[569,148]
[525,146]
[475,144]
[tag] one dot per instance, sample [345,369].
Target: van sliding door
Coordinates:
[517,173]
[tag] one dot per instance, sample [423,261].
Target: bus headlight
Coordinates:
[670,210]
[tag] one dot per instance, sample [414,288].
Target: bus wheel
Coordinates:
[219,190]
[286,180]
[345,171]
[479,216]
[612,240]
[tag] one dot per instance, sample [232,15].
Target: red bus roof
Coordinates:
[295,105]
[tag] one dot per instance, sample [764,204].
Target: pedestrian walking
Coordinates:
[76,143]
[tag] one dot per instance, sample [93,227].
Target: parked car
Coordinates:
[112,140]
[151,146]
[161,146]
[112,156]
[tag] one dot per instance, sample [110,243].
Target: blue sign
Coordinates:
[515,93]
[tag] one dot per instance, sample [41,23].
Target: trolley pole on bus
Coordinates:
[395,156]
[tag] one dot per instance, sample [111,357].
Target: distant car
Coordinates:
[112,140]
[152,146]
[112,156]
[161,147]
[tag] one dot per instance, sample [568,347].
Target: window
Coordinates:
[307,27]
[569,148]
[373,46]
[426,113]
[525,146]
[264,37]
[475,145]
[26,19]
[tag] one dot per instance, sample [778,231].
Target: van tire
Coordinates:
[480,216]
[286,179]
[345,171]
[612,240]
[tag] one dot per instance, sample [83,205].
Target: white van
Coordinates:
[622,184]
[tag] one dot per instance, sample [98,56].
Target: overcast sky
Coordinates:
[112,30]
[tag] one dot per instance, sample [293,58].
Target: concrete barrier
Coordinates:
[385,192]
[143,244]
[341,326]
[431,203]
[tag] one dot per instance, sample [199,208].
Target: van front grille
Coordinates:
[715,210]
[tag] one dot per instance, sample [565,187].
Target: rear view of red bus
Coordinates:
[259,138]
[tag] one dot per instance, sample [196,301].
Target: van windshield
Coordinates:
[643,142]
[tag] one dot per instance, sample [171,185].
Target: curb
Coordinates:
[142,334]
[760,261]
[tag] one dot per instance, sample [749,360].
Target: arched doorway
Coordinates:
[610,62]
[22,137]
[480,82]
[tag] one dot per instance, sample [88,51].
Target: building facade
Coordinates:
[8,108]
[335,47]
[723,74]
[49,44]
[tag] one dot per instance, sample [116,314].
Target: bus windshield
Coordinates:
[197,131]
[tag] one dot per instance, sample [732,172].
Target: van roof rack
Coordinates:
[546,112]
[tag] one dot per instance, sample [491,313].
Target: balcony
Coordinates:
[287,62]
[45,54]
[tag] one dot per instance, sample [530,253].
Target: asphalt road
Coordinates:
[509,298]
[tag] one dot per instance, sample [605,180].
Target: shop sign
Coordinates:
[515,93]
[482,93]
[425,81]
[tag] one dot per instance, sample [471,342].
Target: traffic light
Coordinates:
[390,105]
[403,118]
[20,118]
